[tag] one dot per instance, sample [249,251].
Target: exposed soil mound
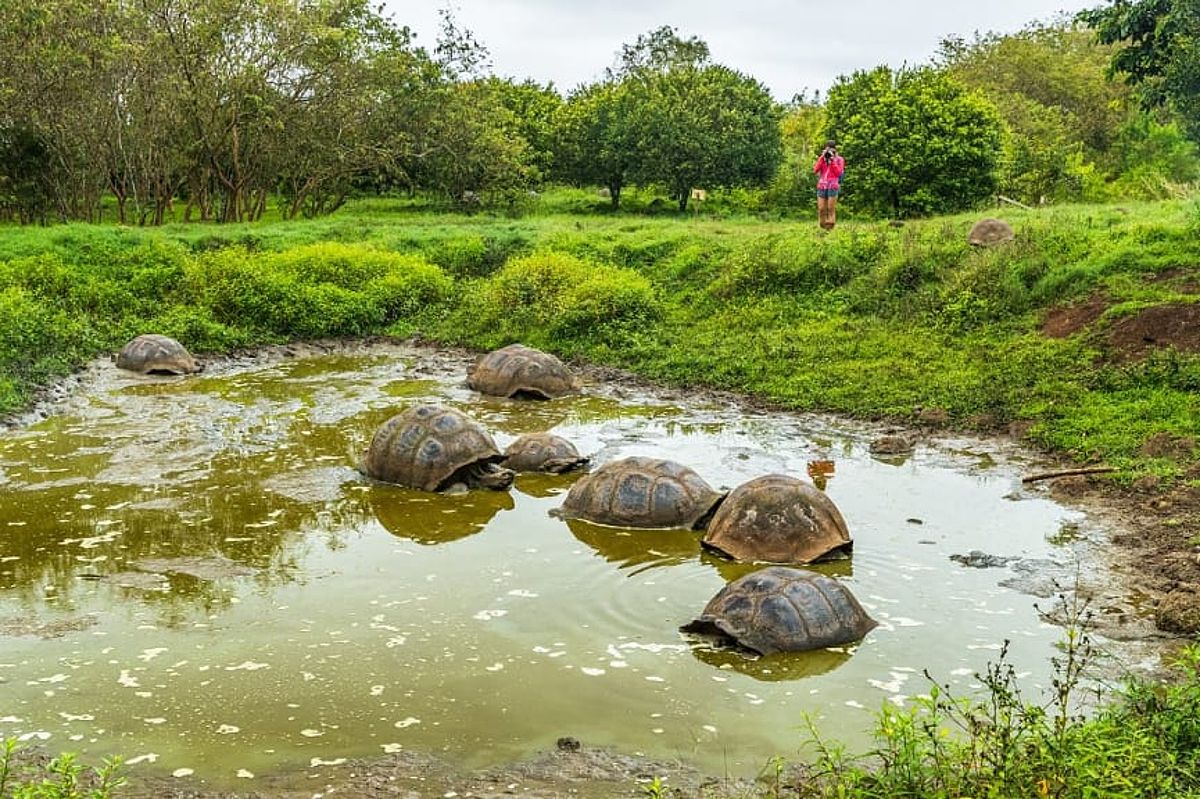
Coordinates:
[1068,320]
[1175,325]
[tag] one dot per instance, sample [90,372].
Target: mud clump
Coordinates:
[1174,325]
[1179,612]
[1066,321]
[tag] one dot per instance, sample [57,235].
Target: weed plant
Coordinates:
[60,778]
[1143,742]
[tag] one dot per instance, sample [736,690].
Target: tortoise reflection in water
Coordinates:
[778,519]
[641,492]
[779,609]
[435,449]
[433,519]
[543,452]
[154,354]
[523,372]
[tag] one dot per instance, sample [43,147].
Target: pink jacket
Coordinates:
[828,174]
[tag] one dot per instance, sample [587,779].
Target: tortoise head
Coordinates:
[486,475]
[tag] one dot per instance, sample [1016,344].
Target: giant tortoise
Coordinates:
[434,449]
[522,372]
[155,354]
[778,519]
[780,609]
[641,492]
[543,452]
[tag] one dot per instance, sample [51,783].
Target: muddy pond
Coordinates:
[194,577]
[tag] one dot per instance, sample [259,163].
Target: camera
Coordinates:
[828,155]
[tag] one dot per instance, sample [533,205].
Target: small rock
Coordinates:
[980,560]
[891,445]
[914,521]
[568,744]
[1178,612]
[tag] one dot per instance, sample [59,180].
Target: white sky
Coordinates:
[789,46]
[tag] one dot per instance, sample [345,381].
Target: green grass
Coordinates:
[869,320]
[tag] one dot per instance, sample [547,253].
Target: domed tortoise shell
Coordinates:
[425,446]
[152,353]
[781,609]
[778,519]
[520,371]
[543,452]
[641,492]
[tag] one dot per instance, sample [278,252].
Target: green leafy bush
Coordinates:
[315,291]
[553,295]
[60,778]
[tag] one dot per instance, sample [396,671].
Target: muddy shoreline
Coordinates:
[1143,535]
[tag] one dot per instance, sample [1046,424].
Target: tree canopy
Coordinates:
[916,141]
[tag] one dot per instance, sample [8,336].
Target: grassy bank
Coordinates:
[907,323]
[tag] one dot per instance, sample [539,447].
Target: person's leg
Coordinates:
[831,211]
[822,208]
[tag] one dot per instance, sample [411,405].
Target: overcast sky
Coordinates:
[788,45]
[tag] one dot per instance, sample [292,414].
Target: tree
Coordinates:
[594,138]
[660,50]
[533,108]
[704,127]
[1159,51]
[916,142]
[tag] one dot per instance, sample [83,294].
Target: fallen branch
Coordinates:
[1033,478]
[1002,198]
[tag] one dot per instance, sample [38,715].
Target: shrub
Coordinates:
[553,295]
[60,778]
[315,291]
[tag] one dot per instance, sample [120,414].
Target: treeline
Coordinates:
[219,110]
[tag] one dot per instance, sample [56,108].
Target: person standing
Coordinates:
[829,168]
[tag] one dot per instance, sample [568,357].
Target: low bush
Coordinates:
[552,296]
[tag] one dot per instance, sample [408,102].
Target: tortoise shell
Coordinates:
[780,609]
[542,452]
[778,519]
[153,353]
[425,446]
[520,371]
[641,492]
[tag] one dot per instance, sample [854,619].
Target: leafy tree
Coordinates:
[1159,51]
[802,132]
[533,108]
[1061,113]
[660,50]
[916,142]
[704,126]
[594,138]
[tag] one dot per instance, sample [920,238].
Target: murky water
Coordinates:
[193,576]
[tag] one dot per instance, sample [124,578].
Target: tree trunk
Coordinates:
[614,195]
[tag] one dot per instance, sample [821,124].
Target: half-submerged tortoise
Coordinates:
[522,372]
[155,354]
[778,519]
[434,449]
[543,452]
[641,492]
[779,609]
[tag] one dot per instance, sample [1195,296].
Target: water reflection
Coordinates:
[432,519]
[780,667]
[629,548]
[731,570]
